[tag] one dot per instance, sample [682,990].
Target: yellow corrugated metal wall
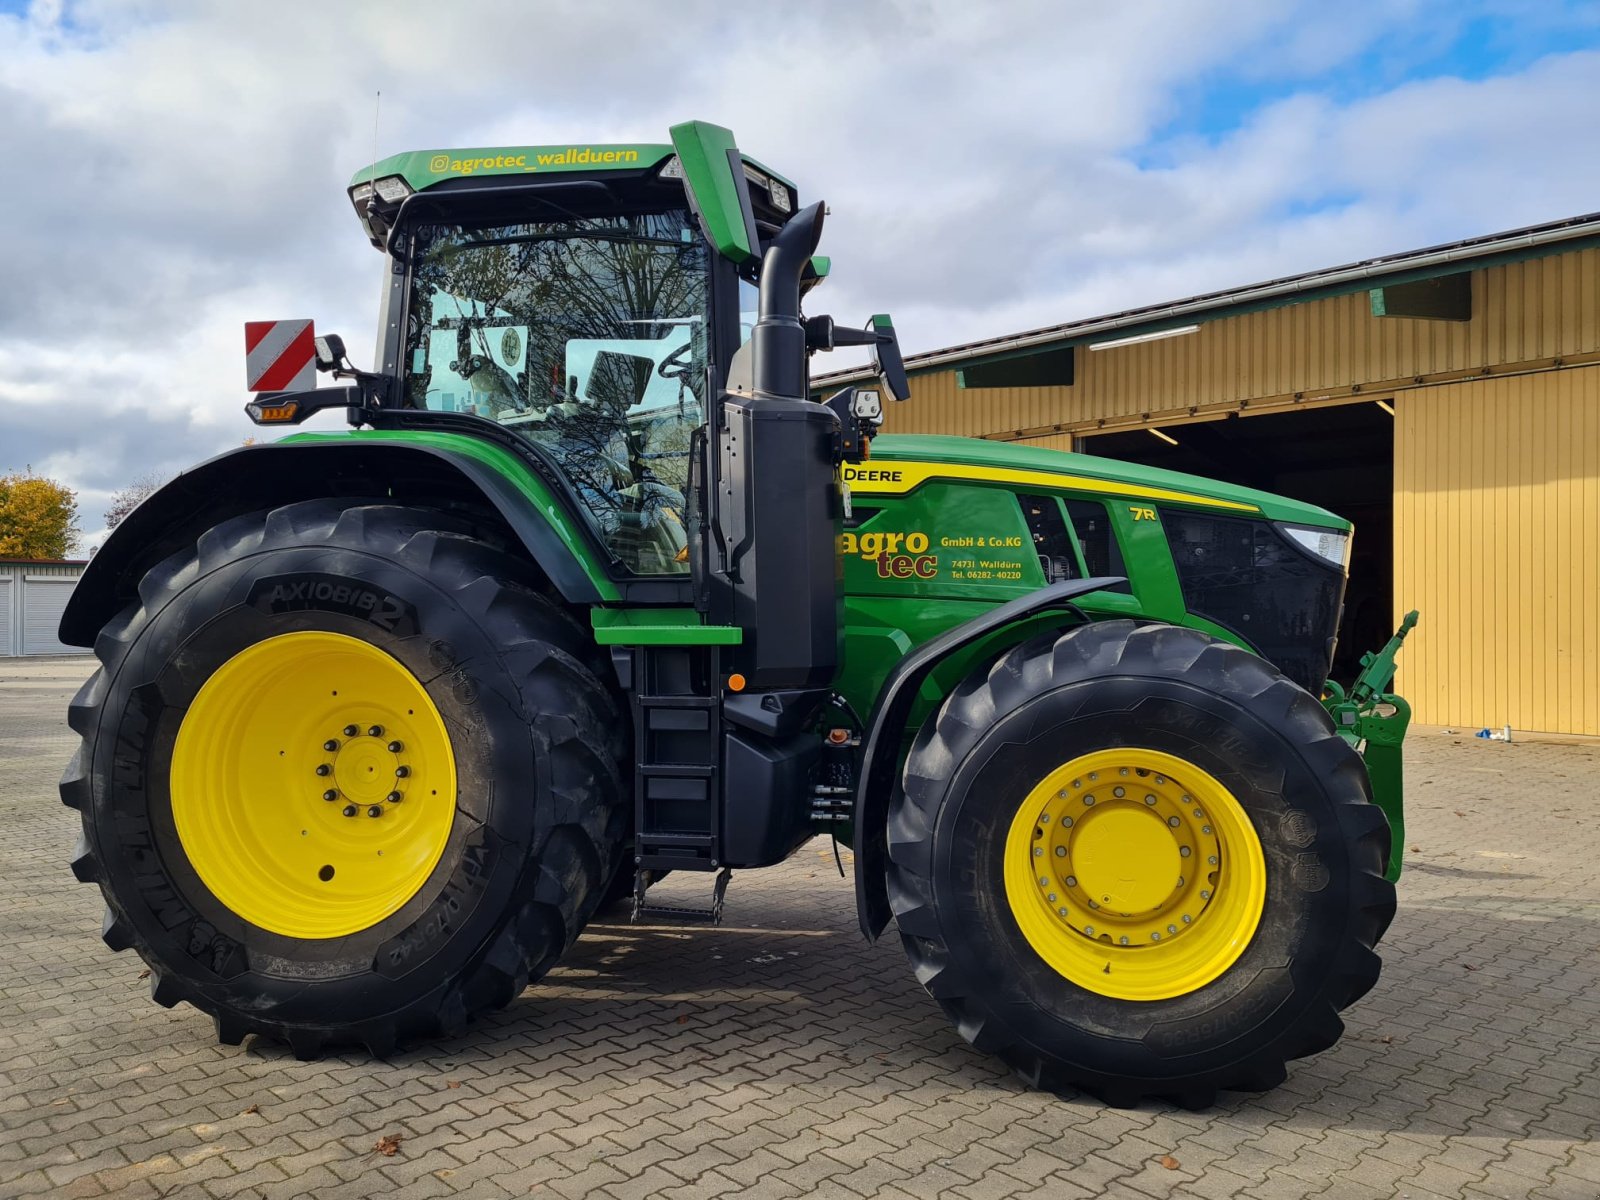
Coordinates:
[1497,541]
[1521,312]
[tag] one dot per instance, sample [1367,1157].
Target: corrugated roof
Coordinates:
[1429,263]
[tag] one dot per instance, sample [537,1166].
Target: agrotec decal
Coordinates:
[896,555]
[572,156]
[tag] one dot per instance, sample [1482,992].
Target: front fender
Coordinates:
[886,729]
[358,466]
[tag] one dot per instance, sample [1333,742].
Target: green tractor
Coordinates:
[594,590]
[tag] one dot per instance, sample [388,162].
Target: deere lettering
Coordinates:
[871,474]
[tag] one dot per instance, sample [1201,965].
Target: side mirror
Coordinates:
[886,358]
[329,352]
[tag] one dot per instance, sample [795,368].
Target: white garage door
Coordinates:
[7,638]
[43,600]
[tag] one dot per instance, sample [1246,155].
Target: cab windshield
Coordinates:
[585,335]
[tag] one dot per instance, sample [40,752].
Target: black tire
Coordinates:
[1307,796]
[538,740]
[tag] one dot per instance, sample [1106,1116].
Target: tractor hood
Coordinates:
[900,462]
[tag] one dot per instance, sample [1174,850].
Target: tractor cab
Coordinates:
[590,300]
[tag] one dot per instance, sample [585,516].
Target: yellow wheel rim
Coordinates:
[313,785]
[1134,874]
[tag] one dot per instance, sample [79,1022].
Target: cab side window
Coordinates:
[1051,541]
[1092,523]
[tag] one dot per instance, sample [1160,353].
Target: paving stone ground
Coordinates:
[781,1056]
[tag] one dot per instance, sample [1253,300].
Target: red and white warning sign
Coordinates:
[279,356]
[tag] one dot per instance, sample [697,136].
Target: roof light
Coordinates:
[1165,437]
[1144,337]
[392,189]
[780,196]
[672,170]
[360,194]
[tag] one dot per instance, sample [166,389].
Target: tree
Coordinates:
[38,517]
[129,498]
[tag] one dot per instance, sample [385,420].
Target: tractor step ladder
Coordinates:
[677,755]
[645,913]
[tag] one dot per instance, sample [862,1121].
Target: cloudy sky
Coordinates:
[173,168]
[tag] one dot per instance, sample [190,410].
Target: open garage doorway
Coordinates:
[1340,457]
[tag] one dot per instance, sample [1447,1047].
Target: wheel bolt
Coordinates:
[376,731]
[402,772]
[330,794]
[375,810]
[395,747]
[324,769]
[352,731]
[349,810]
[330,744]
[393,797]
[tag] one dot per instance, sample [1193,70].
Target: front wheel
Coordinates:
[345,776]
[1138,861]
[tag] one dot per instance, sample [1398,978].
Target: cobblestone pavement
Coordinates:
[781,1056]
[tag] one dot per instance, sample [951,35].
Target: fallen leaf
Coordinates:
[683,1018]
[1170,1163]
[1416,849]
[1386,1039]
[145,974]
[452,1083]
[388,1145]
[1461,814]
[253,1109]
[1469,966]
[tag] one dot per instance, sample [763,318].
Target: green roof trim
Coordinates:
[721,198]
[424,168]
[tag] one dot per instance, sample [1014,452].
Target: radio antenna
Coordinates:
[372,175]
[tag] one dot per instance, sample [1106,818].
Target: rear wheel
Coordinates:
[1138,861]
[345,776]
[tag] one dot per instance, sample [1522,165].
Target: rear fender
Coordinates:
[256,477]
[887,730]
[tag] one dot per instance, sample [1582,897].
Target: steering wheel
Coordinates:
[671,361]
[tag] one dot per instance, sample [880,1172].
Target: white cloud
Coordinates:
[177,168]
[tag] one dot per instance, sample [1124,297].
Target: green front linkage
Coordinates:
[1360,719]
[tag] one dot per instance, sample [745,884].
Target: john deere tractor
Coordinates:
[593,590]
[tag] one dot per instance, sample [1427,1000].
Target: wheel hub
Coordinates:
[369,769]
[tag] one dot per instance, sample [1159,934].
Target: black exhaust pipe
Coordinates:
[778,342]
